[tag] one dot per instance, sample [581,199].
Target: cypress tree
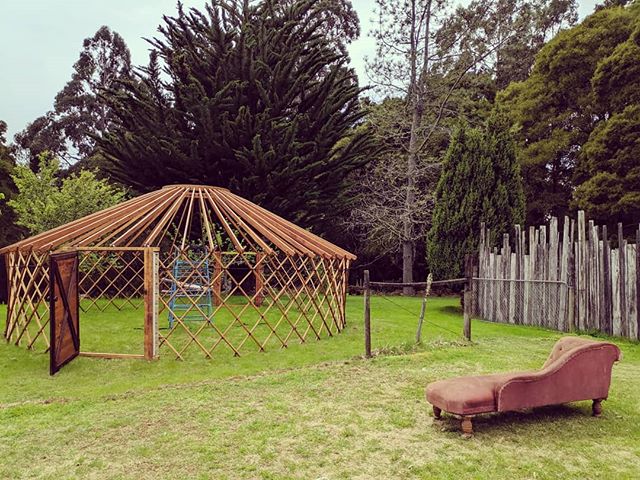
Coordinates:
[252,97]
[480,182]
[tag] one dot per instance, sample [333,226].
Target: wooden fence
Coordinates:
[565,279]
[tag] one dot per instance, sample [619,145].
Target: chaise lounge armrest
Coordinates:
[577,369]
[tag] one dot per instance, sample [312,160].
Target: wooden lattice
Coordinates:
[111,278]
[296,298]
[268,282]
[27,306]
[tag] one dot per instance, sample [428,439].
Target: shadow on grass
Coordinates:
[494,423]
[451,309]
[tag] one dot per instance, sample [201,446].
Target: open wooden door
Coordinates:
[64,310]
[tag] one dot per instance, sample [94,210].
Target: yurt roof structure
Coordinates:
[147,220]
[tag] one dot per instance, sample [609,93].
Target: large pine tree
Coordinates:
[252,97]
[480,182]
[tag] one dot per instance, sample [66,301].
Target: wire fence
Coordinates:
[377,289]
[542,303]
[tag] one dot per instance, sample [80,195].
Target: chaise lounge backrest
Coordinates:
[577,369]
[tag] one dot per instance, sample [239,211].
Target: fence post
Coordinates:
[423,309]
[217,277]
[466,296]
[367,315]
[150,256]
[571,320]
[259,279]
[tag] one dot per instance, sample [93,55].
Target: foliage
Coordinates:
[79,114]
[480,182]
[536,22]
[581,78]
[339,21]
[254,98]
[43,202]
[9,232]
[611,189]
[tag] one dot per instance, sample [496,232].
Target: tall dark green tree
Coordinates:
[480,182]
[252,97]
[79,114]
[9,232]
[581,78]
[610,171]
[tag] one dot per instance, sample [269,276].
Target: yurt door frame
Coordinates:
[64,303]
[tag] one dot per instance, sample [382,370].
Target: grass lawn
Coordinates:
[312,411]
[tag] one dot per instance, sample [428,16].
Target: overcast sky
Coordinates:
[40,40]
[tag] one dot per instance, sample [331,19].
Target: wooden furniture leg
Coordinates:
[437,413]
[467,426]
[596,408]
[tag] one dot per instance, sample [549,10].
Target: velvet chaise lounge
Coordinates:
[577,369]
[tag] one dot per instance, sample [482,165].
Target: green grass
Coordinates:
[317,410]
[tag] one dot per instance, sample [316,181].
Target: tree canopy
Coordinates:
[79,114]
[581,80]
[9,231]
[252,97]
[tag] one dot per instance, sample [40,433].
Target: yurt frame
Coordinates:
[297,280]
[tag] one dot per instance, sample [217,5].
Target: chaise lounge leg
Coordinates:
[596,408]
[437,413]
[467,427]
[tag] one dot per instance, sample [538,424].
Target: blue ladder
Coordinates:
[195,290]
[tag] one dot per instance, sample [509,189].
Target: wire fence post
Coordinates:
[423,309]
[466,297]
[367,315]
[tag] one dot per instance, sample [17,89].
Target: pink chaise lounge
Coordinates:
[577,369]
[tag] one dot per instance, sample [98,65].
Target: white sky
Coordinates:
[40,40]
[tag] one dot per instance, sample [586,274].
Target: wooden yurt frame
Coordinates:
[295,274]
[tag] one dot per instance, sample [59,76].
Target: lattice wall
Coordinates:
[27,306]
[258,301]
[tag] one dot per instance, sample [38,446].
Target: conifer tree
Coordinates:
[254,98]
[480,182]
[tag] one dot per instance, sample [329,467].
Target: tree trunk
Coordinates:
[416,99]
[408,241]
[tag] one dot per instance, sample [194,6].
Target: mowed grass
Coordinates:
[312,411]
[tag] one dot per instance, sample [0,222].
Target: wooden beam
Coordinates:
[150,304]
[112,356]
[259,274]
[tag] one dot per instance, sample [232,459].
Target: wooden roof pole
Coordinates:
[282,242]
[50,235]
[121,224]
[140,224]
[258,223]
[206,221]
[75,229]
[242,226]
[270,217]
[293,227]
[187,224]
[225,225]
[168,216]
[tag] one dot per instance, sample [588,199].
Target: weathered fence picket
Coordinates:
[561,278]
